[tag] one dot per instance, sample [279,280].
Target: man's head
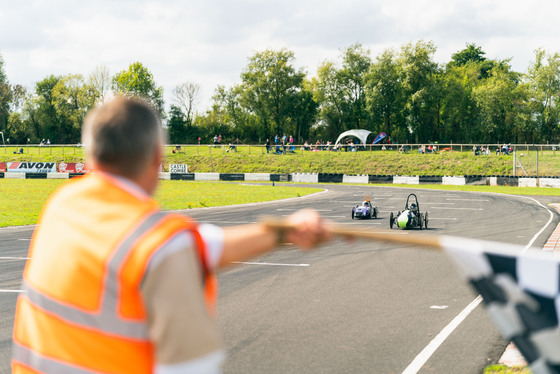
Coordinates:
[124,137]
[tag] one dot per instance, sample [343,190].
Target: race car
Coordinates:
[364,210]
[410,217]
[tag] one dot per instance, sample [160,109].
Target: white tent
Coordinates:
[360,134]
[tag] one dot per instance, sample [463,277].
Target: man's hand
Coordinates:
[307,229]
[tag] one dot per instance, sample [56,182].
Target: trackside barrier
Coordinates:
[305,178]
[401,179]
[58,175]
[453,181]
[550,182]
[330,178]
[258,177]
[355,179]
[430,179]
[528,182]
[14,175]
[232,177]
[207,176]
[182,177]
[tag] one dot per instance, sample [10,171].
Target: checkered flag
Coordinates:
[521,291]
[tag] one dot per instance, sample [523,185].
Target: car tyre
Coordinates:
[391,221]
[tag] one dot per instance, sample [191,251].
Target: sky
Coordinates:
[208,42]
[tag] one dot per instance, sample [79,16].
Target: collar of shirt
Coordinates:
[125,184]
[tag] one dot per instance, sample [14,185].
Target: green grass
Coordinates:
[503,369]
[22,199]
[254,159]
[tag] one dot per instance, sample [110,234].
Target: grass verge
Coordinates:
[22,199]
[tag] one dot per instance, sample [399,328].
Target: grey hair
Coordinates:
[122,135]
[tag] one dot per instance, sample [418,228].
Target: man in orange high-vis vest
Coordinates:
[115,285]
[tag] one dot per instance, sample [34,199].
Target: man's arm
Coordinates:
[244,242]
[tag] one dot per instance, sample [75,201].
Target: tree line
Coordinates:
[402,92]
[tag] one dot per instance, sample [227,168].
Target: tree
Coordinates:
[72,98]
[176,126]
[41,111]
[459,111]
[137,80]
[270,86]
[5,96]
[472,55]
[329,96]
[543,81]
[100,79]
[385,96]
[356,63]
[497,100]
[340,92]
[186,97]
[419,74]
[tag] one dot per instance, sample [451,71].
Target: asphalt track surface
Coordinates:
[349,307]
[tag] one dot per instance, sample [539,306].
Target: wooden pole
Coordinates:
[392,236]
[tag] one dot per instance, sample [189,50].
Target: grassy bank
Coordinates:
[255,160]
[22,200]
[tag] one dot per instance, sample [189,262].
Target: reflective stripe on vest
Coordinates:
[32,359]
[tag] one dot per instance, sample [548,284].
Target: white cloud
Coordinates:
[209,42]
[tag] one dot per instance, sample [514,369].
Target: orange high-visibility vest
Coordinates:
[82,309]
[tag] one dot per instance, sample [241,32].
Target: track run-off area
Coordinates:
[350,306]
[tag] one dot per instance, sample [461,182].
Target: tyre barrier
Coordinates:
[494,180]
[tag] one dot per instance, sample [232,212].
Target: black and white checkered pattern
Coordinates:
[521,291]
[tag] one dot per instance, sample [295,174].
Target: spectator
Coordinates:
[267,145]
[219,139]
[215,140]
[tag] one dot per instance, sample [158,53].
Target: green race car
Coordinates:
[410,217]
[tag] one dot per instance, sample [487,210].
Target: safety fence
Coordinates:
[217,149]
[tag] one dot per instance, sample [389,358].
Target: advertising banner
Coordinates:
[178,168]
[31,167]
[2,167]
[72,167]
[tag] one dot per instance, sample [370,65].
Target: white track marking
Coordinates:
[427,352]
[544,227]
[15,258]
[444,207]
[467,199]
[439,204]
[294,209]
[287,215]
[446,218]
[269,264]
[12,291]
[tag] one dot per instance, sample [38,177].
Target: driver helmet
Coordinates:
[413,207]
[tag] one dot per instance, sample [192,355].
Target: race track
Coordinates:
[349,307]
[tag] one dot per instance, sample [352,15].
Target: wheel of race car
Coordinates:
[391,221]
[374,212]
[352,214]
[426,220]
[420,219]
[371,214]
